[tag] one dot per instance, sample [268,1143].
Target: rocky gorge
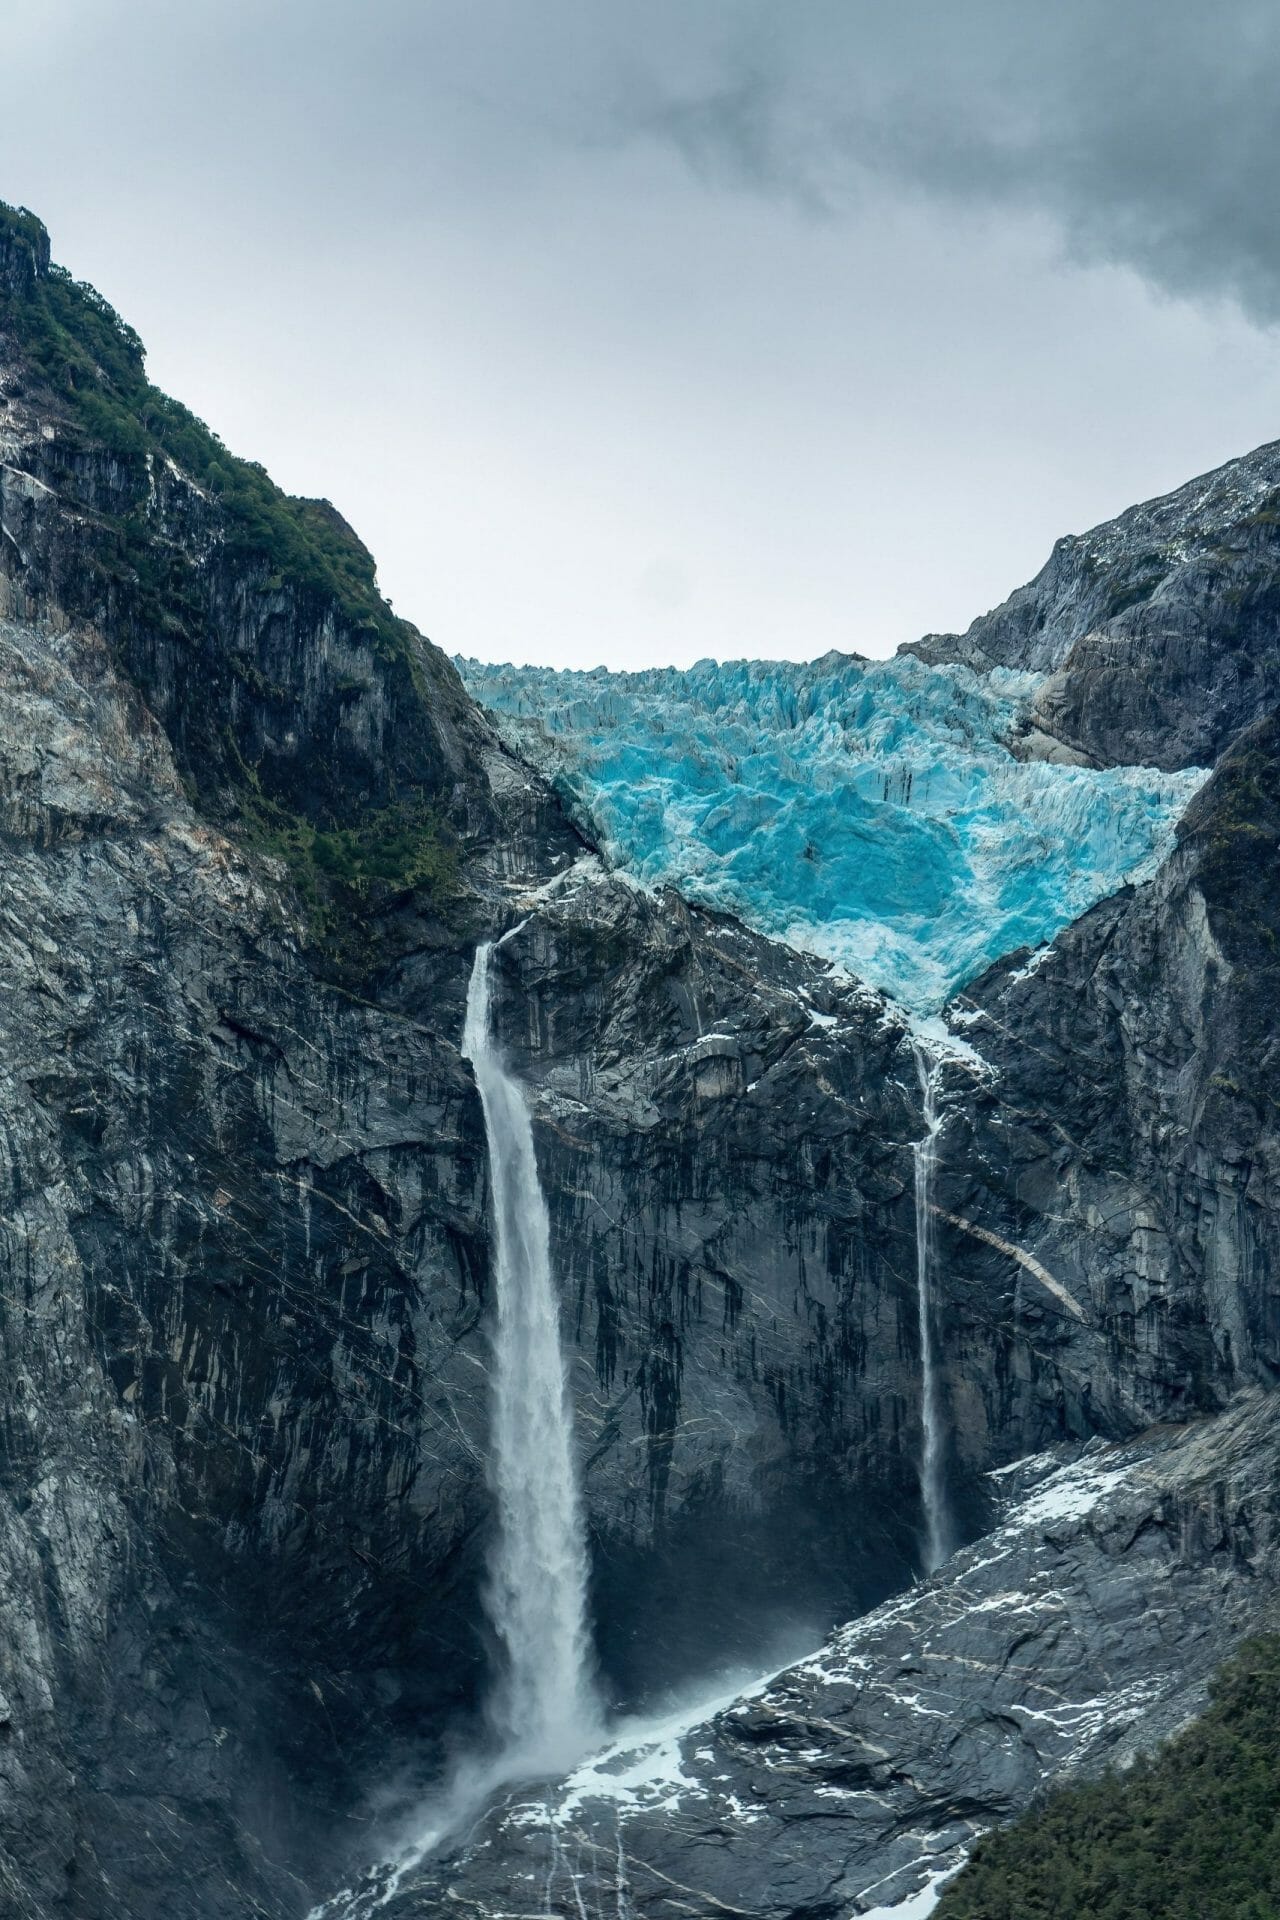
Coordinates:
[253,830]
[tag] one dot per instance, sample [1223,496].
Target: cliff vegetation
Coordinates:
[1192,1834]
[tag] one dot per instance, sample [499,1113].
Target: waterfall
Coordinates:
[933,1492]
[543,1706]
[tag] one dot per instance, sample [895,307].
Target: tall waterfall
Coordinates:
[933,1492]
[544,1706]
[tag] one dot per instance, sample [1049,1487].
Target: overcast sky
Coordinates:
[631,331]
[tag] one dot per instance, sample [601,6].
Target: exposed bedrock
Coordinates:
[246,1260]
[724,1137]
[1080,1631]
[251,829]
[1112,1191]
[1159,631]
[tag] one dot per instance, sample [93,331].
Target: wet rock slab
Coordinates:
[1081,1630]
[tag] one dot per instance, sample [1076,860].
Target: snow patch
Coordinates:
[1070,1494]
[917,1906]
[643,1765]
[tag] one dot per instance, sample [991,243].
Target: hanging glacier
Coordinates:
[871,811]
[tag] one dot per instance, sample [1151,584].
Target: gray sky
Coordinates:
[635,332]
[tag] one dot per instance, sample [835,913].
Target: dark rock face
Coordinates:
[1111,1194]
[241,1304]
[1159,631]
[1081,1630]
[243,1235]
[245,1220]
[244,1207]
[246,1258]
[724,1137]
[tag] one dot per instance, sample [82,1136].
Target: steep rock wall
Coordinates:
[1078,1633]
[246,1250]
[1111,1194]
[242,1499]
[1159,630]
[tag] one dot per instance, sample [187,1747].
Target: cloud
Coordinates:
[644,332]
[1147,130]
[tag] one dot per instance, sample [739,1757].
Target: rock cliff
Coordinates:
[252,827]
[1084,1627]
[1111,1187]
[1157,630]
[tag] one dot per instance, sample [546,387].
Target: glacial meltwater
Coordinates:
[939,1540]
[543,1704]
[543,1710]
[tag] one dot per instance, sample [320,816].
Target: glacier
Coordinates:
[870,811]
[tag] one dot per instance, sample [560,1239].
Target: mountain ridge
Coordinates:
[244,1199]
[1157,628]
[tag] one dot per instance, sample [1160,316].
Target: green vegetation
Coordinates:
[342,872]
[1266,513]
[1193,1834]
[1234,824]
[1145,574]
[95,363]
[349,849]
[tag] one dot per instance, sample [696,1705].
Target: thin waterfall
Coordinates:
[939,1538]
[543,1706]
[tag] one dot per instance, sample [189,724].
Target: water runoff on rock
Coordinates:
[543,1708]
[939,1538]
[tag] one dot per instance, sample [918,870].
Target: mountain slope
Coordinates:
[251,828]
[1194,1831]
[300,711]
[1159,631]
[1082,1629]
[243,1504]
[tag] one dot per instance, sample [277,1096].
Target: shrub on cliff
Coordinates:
[1191,1834]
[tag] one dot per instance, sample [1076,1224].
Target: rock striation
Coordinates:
[1157,630]
[246,1242]
[251,830]
[1080,1630]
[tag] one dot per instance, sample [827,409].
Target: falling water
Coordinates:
[933,1492]
[544,1706]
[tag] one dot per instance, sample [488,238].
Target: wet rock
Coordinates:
[1079,1632]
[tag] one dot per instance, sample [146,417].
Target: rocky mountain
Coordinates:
[1081,1629]
[252,829]
[1157,631]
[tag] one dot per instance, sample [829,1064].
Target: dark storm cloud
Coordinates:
[1148,130]
[645,329]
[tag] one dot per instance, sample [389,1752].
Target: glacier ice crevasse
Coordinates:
[871,812]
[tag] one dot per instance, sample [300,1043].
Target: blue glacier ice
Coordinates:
[869,811]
